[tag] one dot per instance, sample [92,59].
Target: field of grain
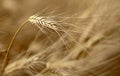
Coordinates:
[59,37]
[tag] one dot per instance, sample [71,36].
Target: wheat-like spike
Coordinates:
[47,22]
[31,65]
[34,65]
[43,21]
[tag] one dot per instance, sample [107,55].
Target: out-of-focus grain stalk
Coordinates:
[6,59]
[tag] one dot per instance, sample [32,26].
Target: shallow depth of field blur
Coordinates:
[89,44]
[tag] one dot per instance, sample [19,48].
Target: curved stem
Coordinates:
[6,58]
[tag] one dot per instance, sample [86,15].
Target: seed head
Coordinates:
[43,21]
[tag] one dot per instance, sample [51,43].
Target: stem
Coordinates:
[6,58]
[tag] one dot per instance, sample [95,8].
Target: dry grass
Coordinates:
[64,38]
